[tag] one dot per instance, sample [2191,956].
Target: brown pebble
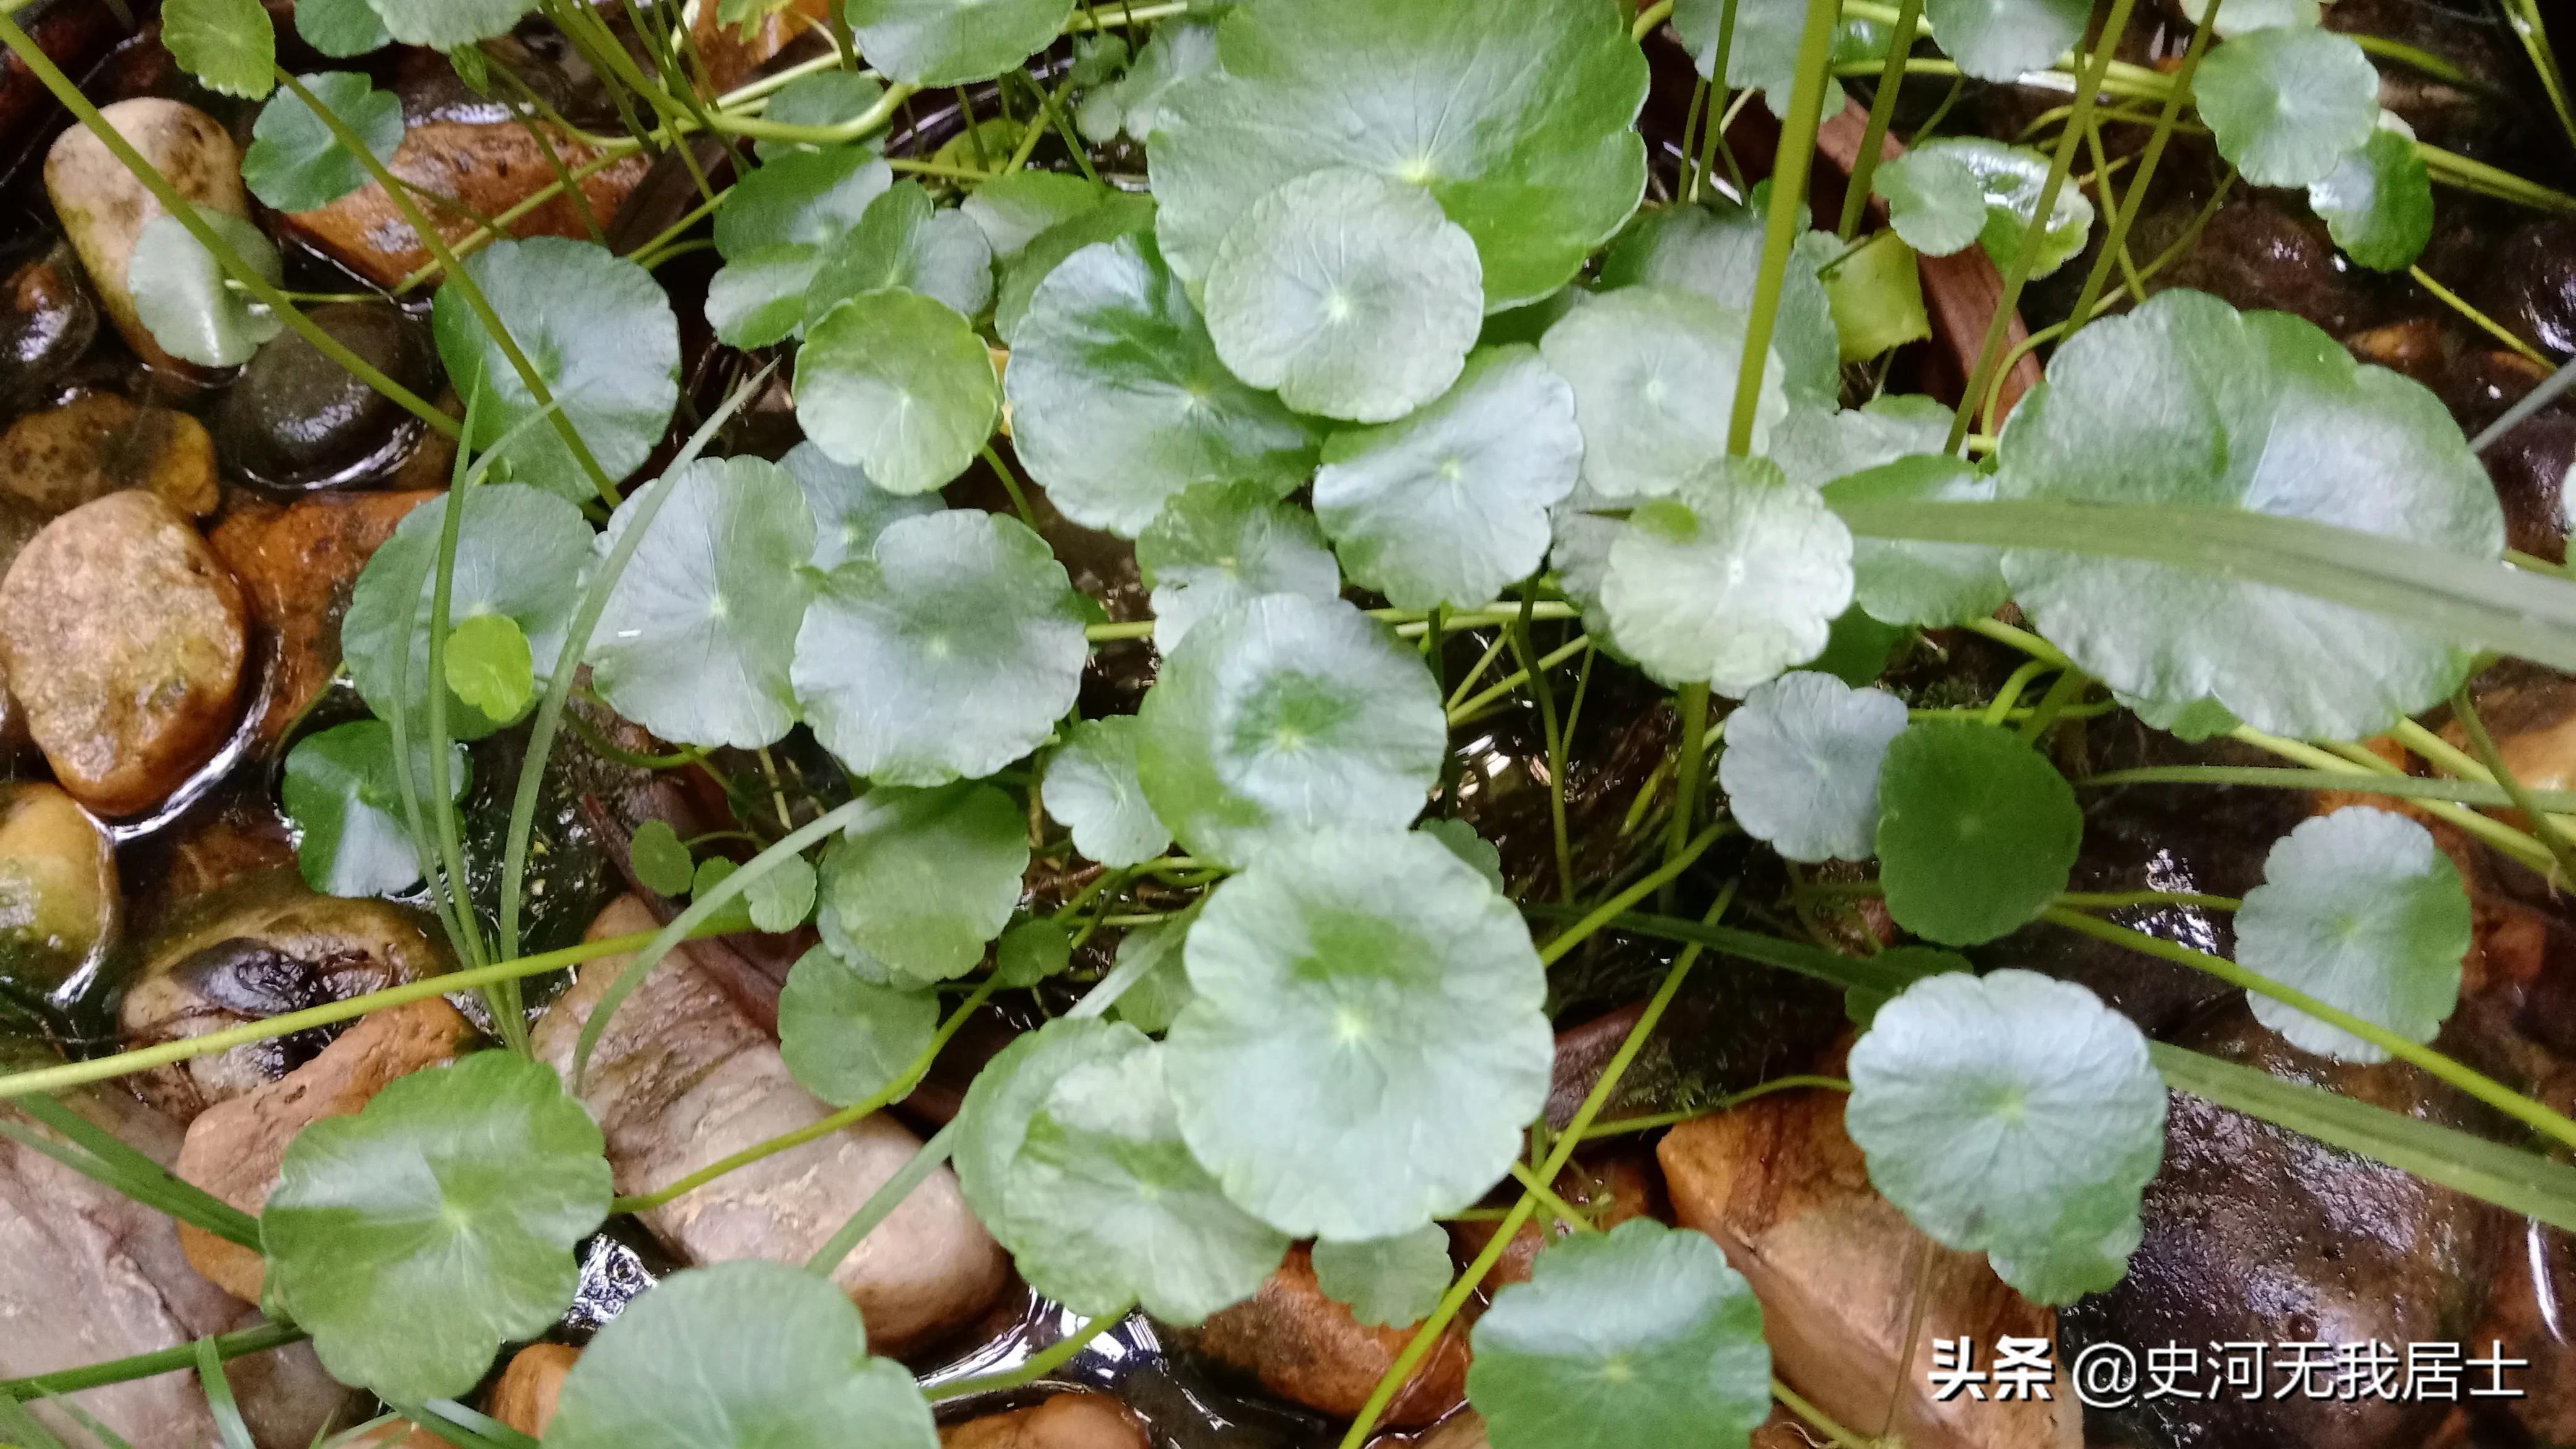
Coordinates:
[104,209]
[525,1397]
[1304,1346]
[296,564]
[98,444]
[1066,1421]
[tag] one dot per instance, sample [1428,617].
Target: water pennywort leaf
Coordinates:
[1736,576]
[900,385]
[1387,1282]
[1997,40]
[1367,1038]
[1716,250]
[341,28]
[2362,910]
[904,241]
[661,863]
[1216,545]
[450,24]
[416,1237]
[1092,789]
[2287,104]
[847,1038]
[1976,831]
[2015,1115]
[1801,764]
[943,43]
[925,878]
[2378,201]
[1644,363]
[2005,182]
[344,794]
[1926,584]
[849,511]
[294,163]
[489,666]
[179,290]
[228,44]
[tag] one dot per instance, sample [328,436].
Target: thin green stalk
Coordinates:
[1553,732]
[1688,772]
[1788,215]
[1474,706]
[2469,312]
[2533,31]
[2122,900]
[136,1175]
[2464,792]
[1622,1126]
[1602,915]
[2543,824]
[1045,1361]
[503,997]
[1817,1419]
[2010,695]
[2069,686]
[1557,1207]
[435,243]
[488,233]
[1648,18]
[2115,242]
[241,1343]
[1011,484]
[2476,1084]
[1882,110]
[2088,89]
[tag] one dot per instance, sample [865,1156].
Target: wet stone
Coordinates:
[59,903]
[2532,284]
[297,564]
[47,320]
[1307,1348]
[101,443]
[297,419]
[104,209]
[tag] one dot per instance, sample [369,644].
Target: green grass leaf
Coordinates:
[1368,1035]
[1516,115]
[743,1355]
[294,162]
[847,1038]
[1387,1282]
[2188,402]
[1447,507]
[1285,716]
[2378,202]
[1641,1335]
[1735,577]
[2286,105]
[943,43]
[849,511]
[948,652]
[344,794]
[489,667]
[179,290]
[698,634]
[903,241]
[660,861]
[1216,545]
[2361,910]
[418,1236]
[1801,765]
[900,385]
[1092,790]
[924,878]
[1119,401]
[1072,1155]
[228,44]
[341,28]
[449,24]
[2014,1115]
[1976,831]
[599,332]
[1644,363]
[1926,584]
[1350,294]
[1997,40]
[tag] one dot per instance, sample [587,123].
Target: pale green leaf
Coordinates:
[1092,789]
[1734,578]
[900,385]
[1216,545]
[1654,375]
[294,163]
[847,1038]
[2286,105]
[2362,910]
[228,44]
[947,42]
[2378,202]
[849,511]
[1801,765]
[1390,1282]
[180,293]
[903,241]
[1976,831]
[926,877]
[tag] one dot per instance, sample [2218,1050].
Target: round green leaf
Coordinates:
[489,666]
[448,24]
[341,28]
[1927,584]
[759,299]
[343,793]
[1119,401]
[825,98]
[1012,210]
[294,162]
[519,552]
[1092,790]
[804,198]
[1032,951]
[1464,843]
[1133,105]
[416,1237]
[847,1038]
[898,384]
[1933,200]
[1641,1335]
[2362,910]
[926,877]
[1716,251]
[1518,116]
[1976,831]
[1653,371]
[1734,578]
[228,44]
[1283,717]
[848,510]
[2378,202]
[949,651]
[698,634]
[1997,40]
[1075,1160]
[1387,1282]
[1350,294]
[2013,1115]
[1368,1037]
[1801,765]
[2287,104]
[2008,181]
[781,898]
[1163,987]
[179,290]
[733,915]
[947,42]
[1447,506]
[2185,401]
[743,1355]
[1114,214]
[1216,545]
[599,332]
[1816,445]
[903,241]
[661,862]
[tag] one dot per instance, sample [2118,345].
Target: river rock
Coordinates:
[488,167]
[296,563]
[2531,284]
[1064,1421]
[87,1275]
[100,443]
[682,1079]
[47,320]
[235,1149]
[59,904]
[123,638]
[525,1397]
[297,419]
[2257,1234]
[260,947]
[104,208]
[1784,1191]
[1306,1347]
